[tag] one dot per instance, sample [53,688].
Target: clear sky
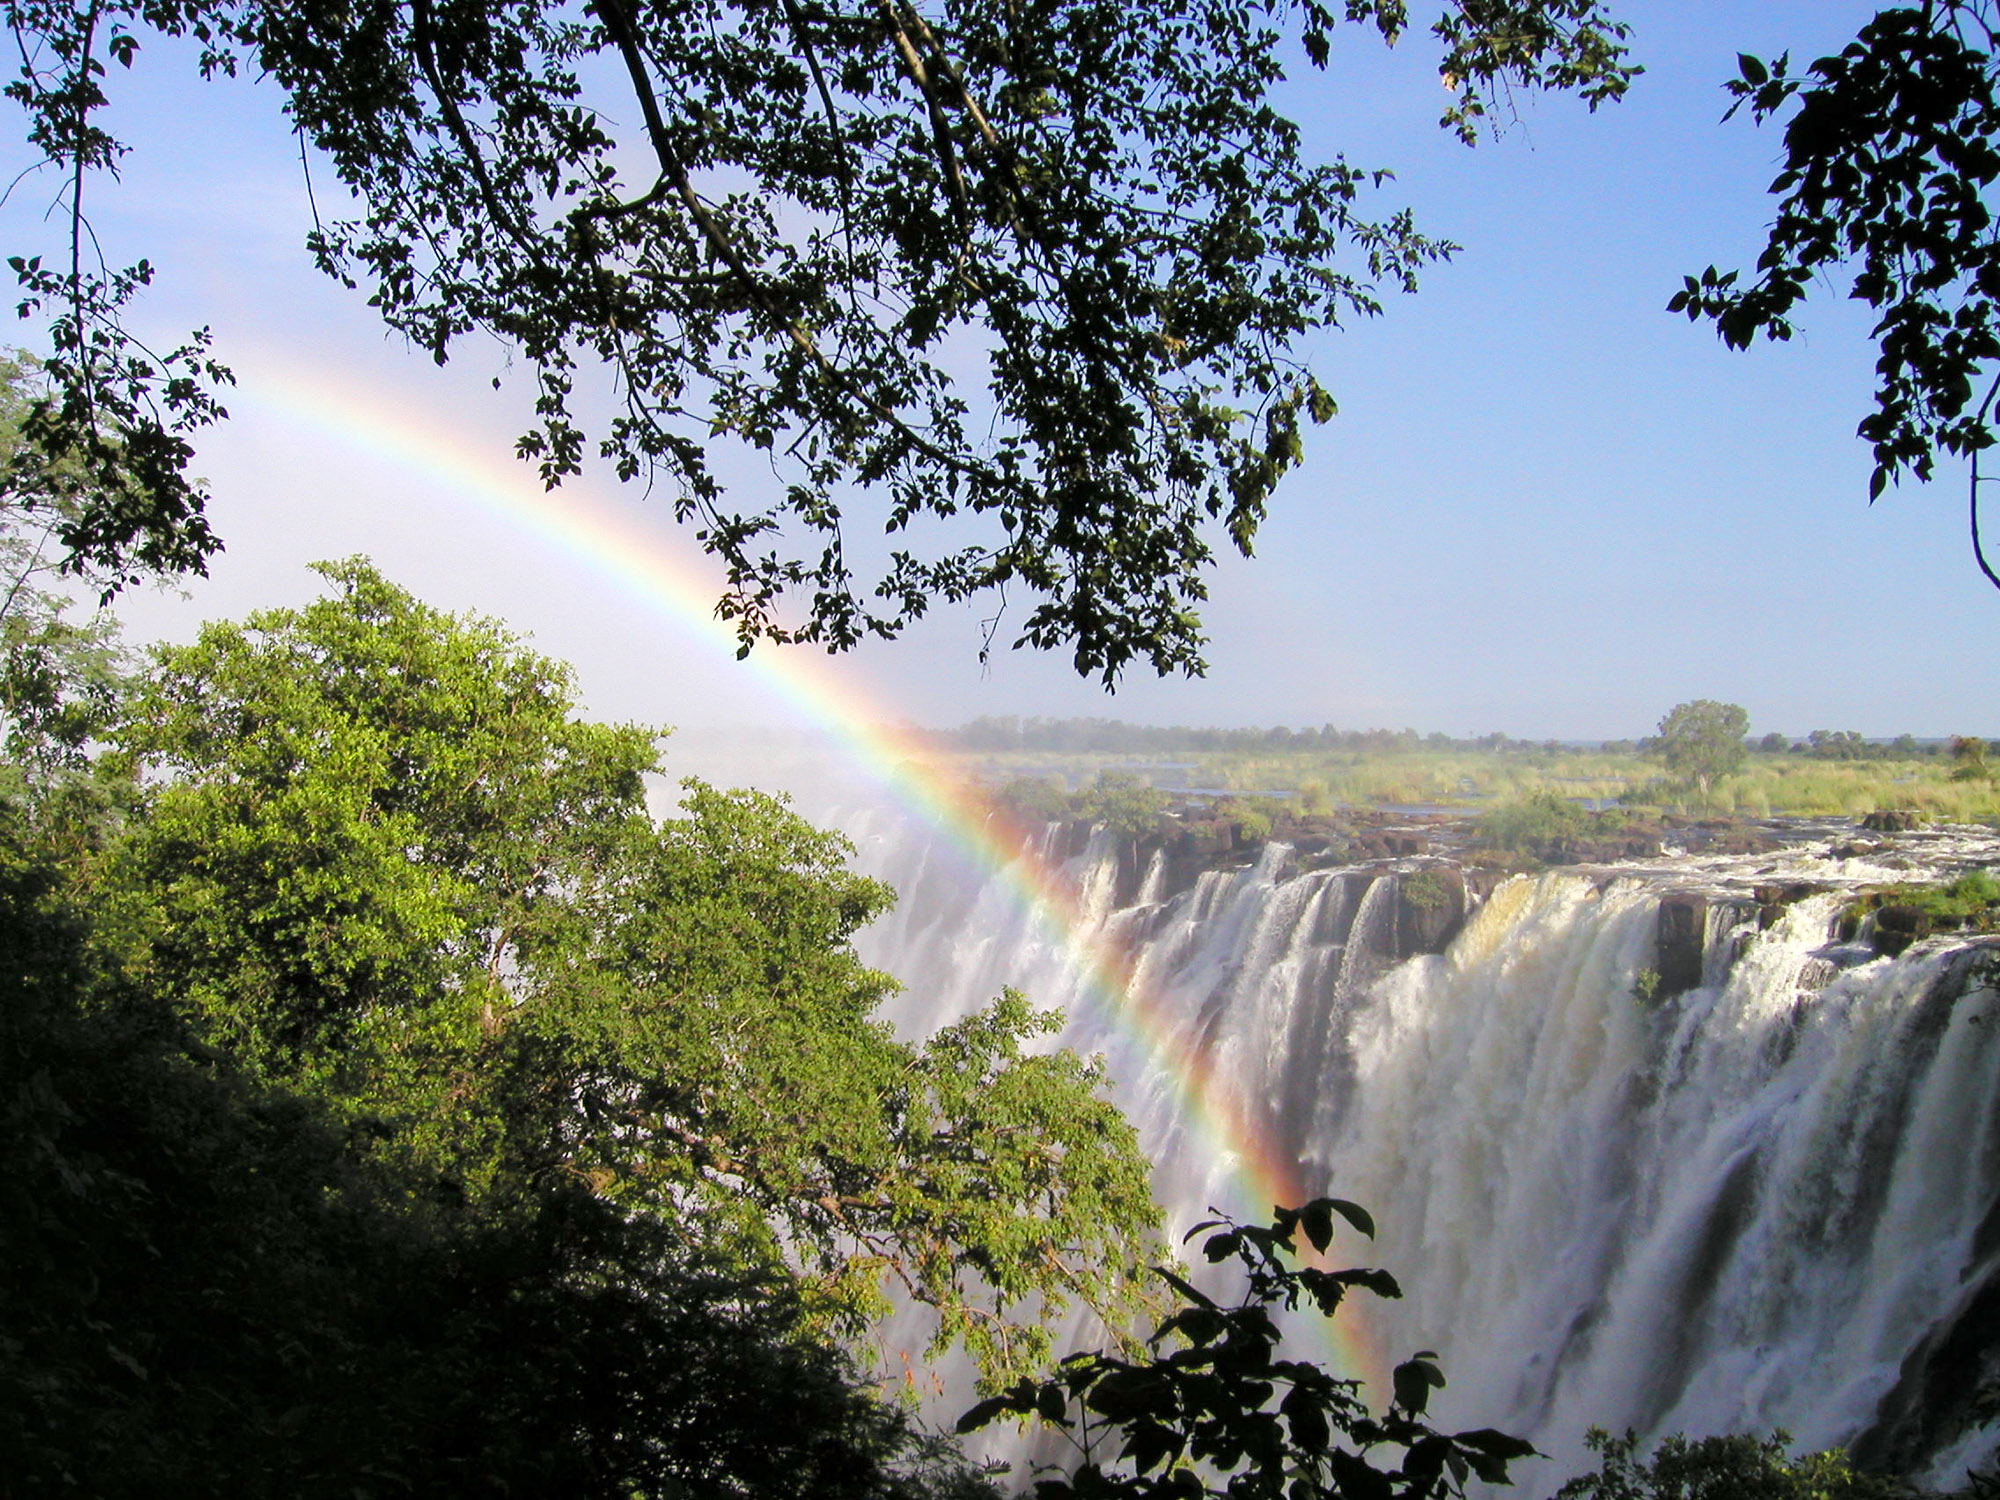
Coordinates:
[1546,507]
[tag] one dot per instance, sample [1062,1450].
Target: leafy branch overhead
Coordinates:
[1036,280]
[1892,152]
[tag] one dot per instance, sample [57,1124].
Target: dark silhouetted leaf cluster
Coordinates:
[1737,1466]
[1891,155]
[1216,1411]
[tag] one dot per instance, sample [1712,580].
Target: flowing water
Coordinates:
[1759,1202]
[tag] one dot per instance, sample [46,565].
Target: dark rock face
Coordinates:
[1784,893]
[1773,898]
[1893,820]
[1934,1399]
[1430,908]
[1897,926]
[1680,941]
[1204,841]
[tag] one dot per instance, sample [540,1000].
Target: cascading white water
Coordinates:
[1739,1211]
[1755,1204]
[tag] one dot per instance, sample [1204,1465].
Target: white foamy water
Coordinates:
[1742,1207]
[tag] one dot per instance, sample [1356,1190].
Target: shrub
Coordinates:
[1252,819]
[1957,903]
[1425,889]
[1033,799]
[1975,887]
[1532,824]
[1736,1467]
[1123,803]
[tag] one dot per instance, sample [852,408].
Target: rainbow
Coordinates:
[612,544]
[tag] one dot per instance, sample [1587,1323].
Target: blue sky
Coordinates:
[1547,507]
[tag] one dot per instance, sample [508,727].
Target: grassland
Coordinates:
[1478,780]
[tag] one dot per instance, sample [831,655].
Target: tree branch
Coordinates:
[1978,550]
[619,24]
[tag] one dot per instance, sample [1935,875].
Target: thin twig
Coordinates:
[1978,550]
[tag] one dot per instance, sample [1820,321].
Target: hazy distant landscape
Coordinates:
[1318,769]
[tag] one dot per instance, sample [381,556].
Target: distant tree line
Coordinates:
[1112,736]
[1087,736]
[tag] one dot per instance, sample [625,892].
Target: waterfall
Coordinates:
[1760,1196]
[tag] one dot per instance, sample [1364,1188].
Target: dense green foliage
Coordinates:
[388,866]
[1253,823]
[1531,824]
[1215,1411]
[1122,802]
[1736,1467]
[404,1108]
[788,227]
[1841,744]
[1702,741]
[1904,913]
[206,1289]
[57,673]
[1544,825]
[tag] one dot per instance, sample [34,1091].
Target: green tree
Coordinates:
[1968,757]
[1702,740]
[1033,800]
[387,867]
[1837,744]
[208,1285]
[1252,820]
[1123,803]
[62,669]
[1542,823]
[787,225]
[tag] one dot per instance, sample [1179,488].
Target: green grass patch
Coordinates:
[1475,780]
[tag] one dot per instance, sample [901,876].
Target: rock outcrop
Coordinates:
[1680,941]
[1430,908]
[1892,820]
